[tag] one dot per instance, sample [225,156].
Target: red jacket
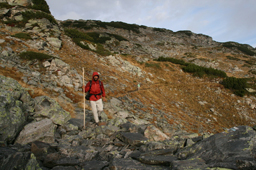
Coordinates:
[95,88]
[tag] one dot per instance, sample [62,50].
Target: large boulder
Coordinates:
[37,131]
[154,134]
[55,42]
[13,159]
[15,106]
[232,149]
[49,108]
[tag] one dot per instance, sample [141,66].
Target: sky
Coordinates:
[223,20]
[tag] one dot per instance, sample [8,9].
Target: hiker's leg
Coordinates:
[94,111]
[99,107]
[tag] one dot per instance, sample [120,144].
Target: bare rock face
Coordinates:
[18,2]
[38,131]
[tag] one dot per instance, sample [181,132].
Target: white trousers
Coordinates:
[96,106]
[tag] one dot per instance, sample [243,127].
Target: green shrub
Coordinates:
[118,37]
[187,32]
[253,72]
[233,58]
[190,55]
[158,29]
[155,65]
[41,5]
[21,35]
[30,55]
[27,15]
[196,70]
[244,48]
[251,61]
[237,85]
[85,25]
[201,71]
[138,45]
[102,51]
[160,44]
[172,60]
[78,36]
[5,5]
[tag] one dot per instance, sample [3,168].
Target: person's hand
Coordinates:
[104,99]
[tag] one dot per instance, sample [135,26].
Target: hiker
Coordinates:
[97,91]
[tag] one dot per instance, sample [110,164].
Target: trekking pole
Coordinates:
[84,98]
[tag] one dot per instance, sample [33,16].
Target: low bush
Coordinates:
[102,51]
[233,58]
[87,25]
[78,36]
[41,5]
[172,60]
[195,69]
[31,55]
[160,44]
[237,85]
[187,32]
[154,65]
[27,15]
[159,29]
[244,48]
[201,71]
[118,37]
[5,5]
[251,61]
[21,35]
[190,55]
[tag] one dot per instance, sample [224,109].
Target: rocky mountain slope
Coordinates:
[165,124]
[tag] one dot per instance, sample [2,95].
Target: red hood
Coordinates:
[95,74]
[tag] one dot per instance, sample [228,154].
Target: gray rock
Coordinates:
[216,150]
[13,159]
[127,164]
[19,2]
[38,131]
[94,165]
[47,107]
[2,41]
[55,42]
[157,160]
[15,105]
[196,163]
[134,139]
[41,149]
[64,168]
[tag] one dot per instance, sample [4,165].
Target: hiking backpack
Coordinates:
[88,95]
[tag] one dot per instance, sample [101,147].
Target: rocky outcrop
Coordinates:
[18,2]
[38,131]
[16,106]
[233,149]
[46,107]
